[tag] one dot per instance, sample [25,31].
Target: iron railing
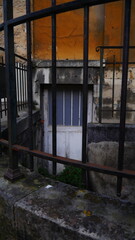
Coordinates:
[113,65]
[8,25]
[21,84]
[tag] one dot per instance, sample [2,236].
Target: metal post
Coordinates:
[85,91]
[85,82]
[0,122]
[113,85]
[101,84]
[54,89]
[124,91]
[29,84]
[13,171]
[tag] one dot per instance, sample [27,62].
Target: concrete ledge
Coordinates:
[37,208]
[109,132]
[22,123]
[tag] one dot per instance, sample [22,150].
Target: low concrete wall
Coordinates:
[103,150]
[109,132]
[37,208]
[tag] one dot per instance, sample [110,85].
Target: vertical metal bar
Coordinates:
[1,108]
[113,85]
[25,85]
[22,85]
[29,83]
[19,87]
[5,105]
[1,105]
[23,72]
[101,84]
[0,123]
[13,170]
[26,97]
[124,91]
[72,94]
[17,93]
[85,174]
[85,82]
[20,79]
[64,110]
[79,120]
[54,125]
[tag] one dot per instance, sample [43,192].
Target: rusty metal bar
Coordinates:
[67,161]
[54,90]
[124,91]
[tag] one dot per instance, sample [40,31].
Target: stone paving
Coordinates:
[38,208]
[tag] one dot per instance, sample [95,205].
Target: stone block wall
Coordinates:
[19,31]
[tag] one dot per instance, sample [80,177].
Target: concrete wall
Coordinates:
[103,150]
[107,99]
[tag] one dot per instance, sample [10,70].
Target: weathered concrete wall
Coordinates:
[106,154]
[107,95]
[109,132]
[37,208]
[68,72]
[103,150]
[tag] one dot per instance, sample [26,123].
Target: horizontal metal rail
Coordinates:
[111,47]
[67,161]
[16,55]
[61,8]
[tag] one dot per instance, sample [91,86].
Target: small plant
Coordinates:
[70,175]
[44,172]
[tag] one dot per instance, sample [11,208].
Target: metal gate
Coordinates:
[8,26]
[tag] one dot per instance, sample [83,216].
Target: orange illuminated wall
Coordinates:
[69,33]
[105,28]
[113,31]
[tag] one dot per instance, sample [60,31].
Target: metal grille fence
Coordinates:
[21,84]
[8,25]
[113,64]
